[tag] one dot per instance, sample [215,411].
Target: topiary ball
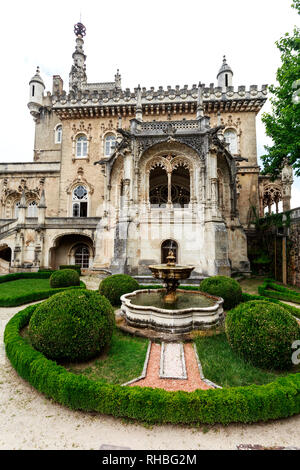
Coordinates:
[74,325]
[262,333]
[222,286]
[113,287]
[64,278]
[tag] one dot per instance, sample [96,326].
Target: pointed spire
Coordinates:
[118,79]
[78,74]
[200,114]
[42,203]
[139,111]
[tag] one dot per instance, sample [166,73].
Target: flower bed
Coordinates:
[277,399]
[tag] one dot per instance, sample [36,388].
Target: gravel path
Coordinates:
[30,421]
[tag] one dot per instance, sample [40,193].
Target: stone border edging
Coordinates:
[144,372]
[208,382]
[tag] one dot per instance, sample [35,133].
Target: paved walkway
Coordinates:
[167,366]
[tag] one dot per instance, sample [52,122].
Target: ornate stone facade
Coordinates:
[119,174]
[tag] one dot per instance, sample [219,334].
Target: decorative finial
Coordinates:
[224,59]
[139,112]
[38,69]
[199,113]
[79,29]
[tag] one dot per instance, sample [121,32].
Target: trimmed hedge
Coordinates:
[72,326]
[222,286]
[113,287]
[293,310]
[33,275]
[76,267]
[262,333]
[64,278]
[279,399]
[269,288]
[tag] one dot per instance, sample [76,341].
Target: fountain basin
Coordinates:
[199,311]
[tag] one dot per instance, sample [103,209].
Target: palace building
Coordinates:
[118,176]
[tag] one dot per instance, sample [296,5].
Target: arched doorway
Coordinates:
[166,246]
[5,258]
[72,249]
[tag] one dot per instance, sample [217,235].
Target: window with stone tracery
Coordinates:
[16,209]
[230,136]
[81,146]
[79,202]
[172,187]
[32,209]
[109,144]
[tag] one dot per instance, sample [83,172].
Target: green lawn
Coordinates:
[223,367]
[23,286]
[122,362]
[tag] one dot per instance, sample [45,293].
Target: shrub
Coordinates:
[76,267]
[262,333]
[72,326]
[254,403]
[64,278]
[222,286]
[113,287]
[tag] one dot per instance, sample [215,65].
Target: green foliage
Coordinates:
[262,333]
[122,362]
[64,278]
[16,276]
[222,286]
[290,308]
[21,288]
[269,288]
[113,287]
[278,399]
[224,367]
[282,124]
[76,267]
[72,326]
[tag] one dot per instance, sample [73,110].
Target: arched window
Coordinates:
[180,190]
[109,144]
[16,210]
[80,202]
[58,134]
[166,246]
[32,209]
[158,187]
[81,146]
[231,138]
[82,256]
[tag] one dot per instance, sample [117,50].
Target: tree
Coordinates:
[283,123]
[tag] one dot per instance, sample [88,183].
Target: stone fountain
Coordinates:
[170,309]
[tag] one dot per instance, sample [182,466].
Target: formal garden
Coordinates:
[70,348]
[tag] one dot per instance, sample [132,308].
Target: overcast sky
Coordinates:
[153,43]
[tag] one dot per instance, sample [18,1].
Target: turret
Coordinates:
[36,94]
[78,74]
[225,75]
